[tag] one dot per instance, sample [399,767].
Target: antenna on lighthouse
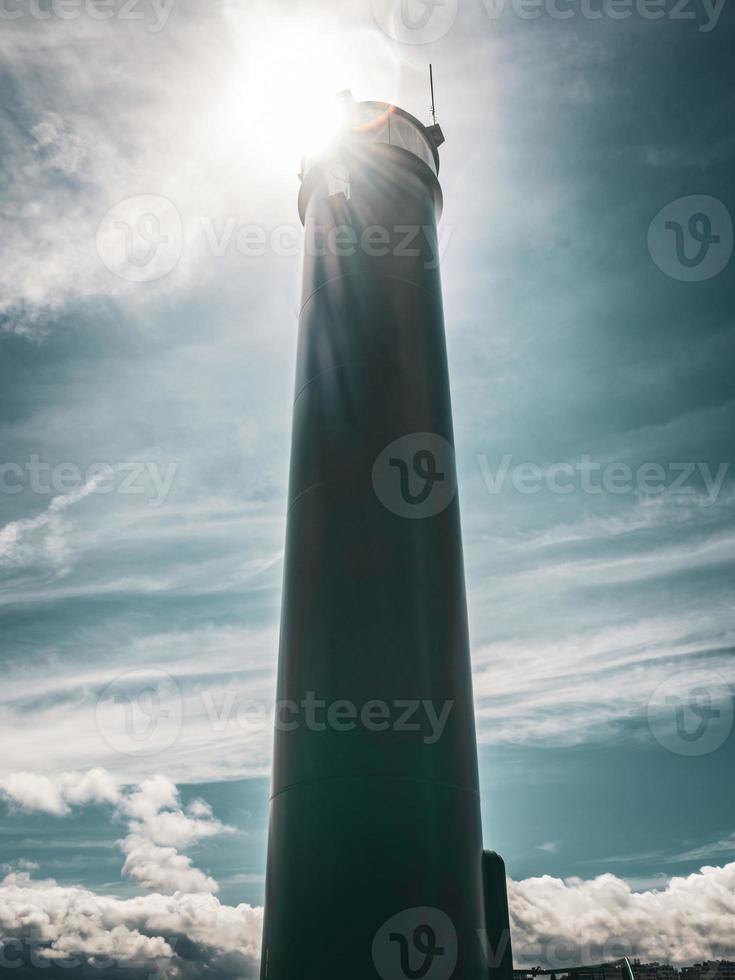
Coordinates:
[434,130]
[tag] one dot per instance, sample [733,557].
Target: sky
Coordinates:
[145,404]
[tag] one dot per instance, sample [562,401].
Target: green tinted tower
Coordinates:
[375,860]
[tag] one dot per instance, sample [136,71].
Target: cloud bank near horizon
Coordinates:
[554,922]
[188,931]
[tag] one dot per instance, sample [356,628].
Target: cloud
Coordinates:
[163,868]
[565,922]
[159,828]
[153,794]
[158,825]
[554,922]
[21,864]
[72,161]
[41,538]
[69,76]
[35,792]
[557,922]
[646,514]
[597,683]
[58,146]
[155,813]
[62,690]
[199,808]
[183,936]
[713,849]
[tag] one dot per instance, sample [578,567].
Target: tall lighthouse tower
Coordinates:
[375,860]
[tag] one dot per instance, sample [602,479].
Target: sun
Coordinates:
[289,85]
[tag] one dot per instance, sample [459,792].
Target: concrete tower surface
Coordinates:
[375,862]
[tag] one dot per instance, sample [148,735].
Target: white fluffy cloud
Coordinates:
[158,825]
[174,936]
[555,922]
[561,923]
[155,814]
[163,869]
[35,792]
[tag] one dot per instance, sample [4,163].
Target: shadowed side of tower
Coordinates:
[375,844]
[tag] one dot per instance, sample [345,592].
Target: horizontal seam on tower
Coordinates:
[393,779]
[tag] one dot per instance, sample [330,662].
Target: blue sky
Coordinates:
[145,436]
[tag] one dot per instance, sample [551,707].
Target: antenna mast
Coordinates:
[435,131]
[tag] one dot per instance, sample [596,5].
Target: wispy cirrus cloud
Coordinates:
[709,851]
[42,539]
[201,677]
[598,684]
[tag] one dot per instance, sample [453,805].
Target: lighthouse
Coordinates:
[375,857]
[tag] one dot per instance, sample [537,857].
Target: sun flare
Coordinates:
[290,86]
